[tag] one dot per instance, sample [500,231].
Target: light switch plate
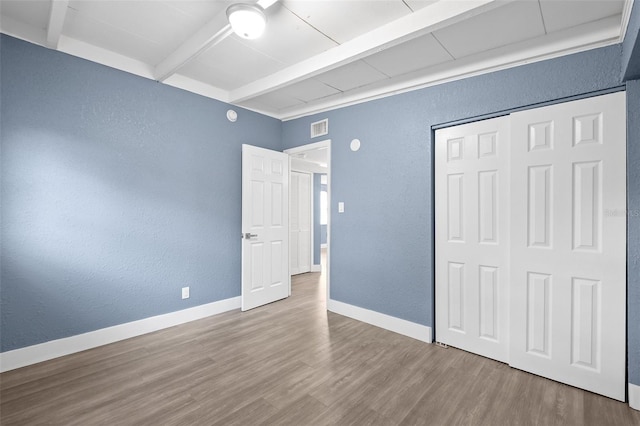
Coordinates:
[341,207]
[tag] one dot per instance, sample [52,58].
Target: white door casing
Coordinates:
[265,226]
[472,239]
[568,237]
[326,144]
[300,222]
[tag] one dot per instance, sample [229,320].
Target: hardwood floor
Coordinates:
[313,368]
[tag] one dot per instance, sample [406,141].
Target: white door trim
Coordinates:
[299,149]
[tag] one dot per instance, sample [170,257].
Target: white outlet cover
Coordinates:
[185,292]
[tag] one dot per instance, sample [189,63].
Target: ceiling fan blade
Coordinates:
[266,3]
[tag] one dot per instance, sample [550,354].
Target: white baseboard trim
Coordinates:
[22,357]
[397,325]
[634,396]
[316,268]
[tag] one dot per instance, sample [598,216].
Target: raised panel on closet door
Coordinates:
[294,223]
[568,262]
[472,237]
[300,222]
[305,222]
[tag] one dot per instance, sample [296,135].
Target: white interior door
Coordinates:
[300,222]
[472,240]
[568,235]
[265,226]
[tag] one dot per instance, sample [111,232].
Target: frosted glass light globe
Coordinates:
[247,20]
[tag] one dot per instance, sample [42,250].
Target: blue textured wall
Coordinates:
[633,227]
[381,246]
[116,192]
[631,46]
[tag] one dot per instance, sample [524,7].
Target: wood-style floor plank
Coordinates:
[290,362]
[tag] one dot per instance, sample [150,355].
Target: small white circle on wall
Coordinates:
[232,116]
[355,145]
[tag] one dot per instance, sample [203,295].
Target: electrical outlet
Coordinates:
[185,292]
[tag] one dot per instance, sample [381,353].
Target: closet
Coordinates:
[300,222]
[530,213]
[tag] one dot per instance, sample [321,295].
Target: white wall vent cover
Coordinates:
[320,128]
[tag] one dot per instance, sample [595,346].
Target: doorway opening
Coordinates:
[314,159]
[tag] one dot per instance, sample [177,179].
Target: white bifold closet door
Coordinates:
[300,222]
[472,237]
[531,245]
[568,243]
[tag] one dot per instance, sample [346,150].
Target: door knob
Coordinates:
[249,235]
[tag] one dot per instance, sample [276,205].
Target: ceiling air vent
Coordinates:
[320,128]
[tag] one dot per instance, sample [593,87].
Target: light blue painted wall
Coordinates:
[633,229]
[116,192]
[631,46]
[381,246]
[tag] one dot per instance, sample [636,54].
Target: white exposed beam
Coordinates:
[208,36]
[603,32]
[22,31]
[626,15]
[195,86]
[266,3]
[103,56]
[57,15]
[431,18]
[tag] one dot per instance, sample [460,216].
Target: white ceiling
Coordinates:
[312,159]
[315,54]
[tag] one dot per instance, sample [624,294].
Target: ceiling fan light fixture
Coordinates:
[247,20]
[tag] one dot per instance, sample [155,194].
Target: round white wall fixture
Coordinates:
[355,145]
[232,116]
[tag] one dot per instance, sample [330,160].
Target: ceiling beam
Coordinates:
[591,35]
[266,3]
[428,19]
[22,31]
[204,39]
[57,15]
[626,15]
